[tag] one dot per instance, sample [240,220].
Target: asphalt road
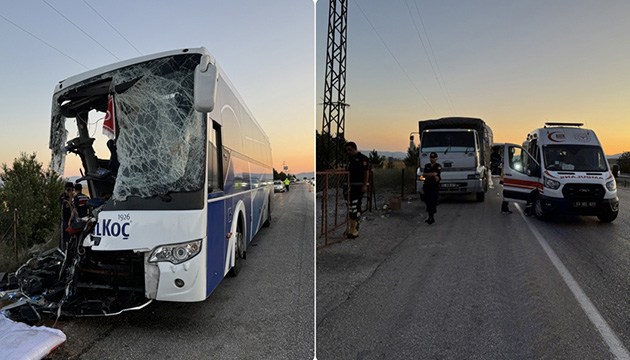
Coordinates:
[266,312]
[477,284]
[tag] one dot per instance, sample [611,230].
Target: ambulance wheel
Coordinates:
[608,216]
[539,212]
[239,252]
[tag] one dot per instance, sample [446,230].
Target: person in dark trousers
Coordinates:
[65,203]
[431,187]
[287,182]
[79,204]
[359,169]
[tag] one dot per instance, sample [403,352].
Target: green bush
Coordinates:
[34,192]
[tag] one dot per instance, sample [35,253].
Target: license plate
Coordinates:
[584,204]
[448,185]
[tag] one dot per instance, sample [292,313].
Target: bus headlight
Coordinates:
[611,185]
[176,253]
[552,184]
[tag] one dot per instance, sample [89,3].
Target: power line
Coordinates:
[77,26]
[434,58]
[36,37]
[395,59]
[112,26]
[429,58]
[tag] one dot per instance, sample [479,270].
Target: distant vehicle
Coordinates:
[278,186]
[190,184]
[561,168]
[463,146]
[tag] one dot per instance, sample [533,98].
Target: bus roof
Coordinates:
[63,84]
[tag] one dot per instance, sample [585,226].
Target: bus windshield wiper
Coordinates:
[165,197]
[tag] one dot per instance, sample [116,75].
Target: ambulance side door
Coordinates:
[520,173]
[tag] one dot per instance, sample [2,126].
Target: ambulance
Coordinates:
[560,169]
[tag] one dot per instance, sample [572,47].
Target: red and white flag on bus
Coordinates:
[109,125]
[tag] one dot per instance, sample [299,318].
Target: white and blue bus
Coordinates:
[182,187]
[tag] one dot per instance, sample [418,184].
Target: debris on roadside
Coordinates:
[21,341]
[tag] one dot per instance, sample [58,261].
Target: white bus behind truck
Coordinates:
[561,168]
[463,146]
[186,187]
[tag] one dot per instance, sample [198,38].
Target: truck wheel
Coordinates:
[421,197]
[539,212]
[607,216]
[480,196]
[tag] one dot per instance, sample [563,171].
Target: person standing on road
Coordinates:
[359,170]
[286,183]
[65,203]
[431,187]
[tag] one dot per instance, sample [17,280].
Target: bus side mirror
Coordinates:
[615,170]
[205,84]
[411,144]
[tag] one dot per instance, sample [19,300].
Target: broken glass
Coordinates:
[161,138]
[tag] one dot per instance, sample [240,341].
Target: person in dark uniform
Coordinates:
[431,187]
[65,203]
[359,169]
[79,204]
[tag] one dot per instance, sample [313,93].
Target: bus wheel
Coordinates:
[539,212]
[268,221]
[239,252]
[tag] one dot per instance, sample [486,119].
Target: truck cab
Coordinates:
[463,147]
[561,168]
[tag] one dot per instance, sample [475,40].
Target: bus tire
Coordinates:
[239,252]
[538,210]
[268,220]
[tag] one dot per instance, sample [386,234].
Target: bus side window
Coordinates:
[214,159]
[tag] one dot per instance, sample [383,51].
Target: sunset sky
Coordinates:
[265,47]
[515,64]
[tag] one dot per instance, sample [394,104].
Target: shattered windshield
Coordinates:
[574,158]
[160,140]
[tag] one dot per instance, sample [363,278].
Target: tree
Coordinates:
[376,161]
[34,192]
[412,156]
[624,162]
[324,157]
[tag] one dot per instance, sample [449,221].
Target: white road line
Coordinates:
[611,339]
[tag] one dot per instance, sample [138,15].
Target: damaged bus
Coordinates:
[185,184]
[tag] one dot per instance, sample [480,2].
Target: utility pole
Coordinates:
[333,124]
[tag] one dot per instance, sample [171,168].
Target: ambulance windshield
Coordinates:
[574,158]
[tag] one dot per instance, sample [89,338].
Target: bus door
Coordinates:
[520,174]
[216,232]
